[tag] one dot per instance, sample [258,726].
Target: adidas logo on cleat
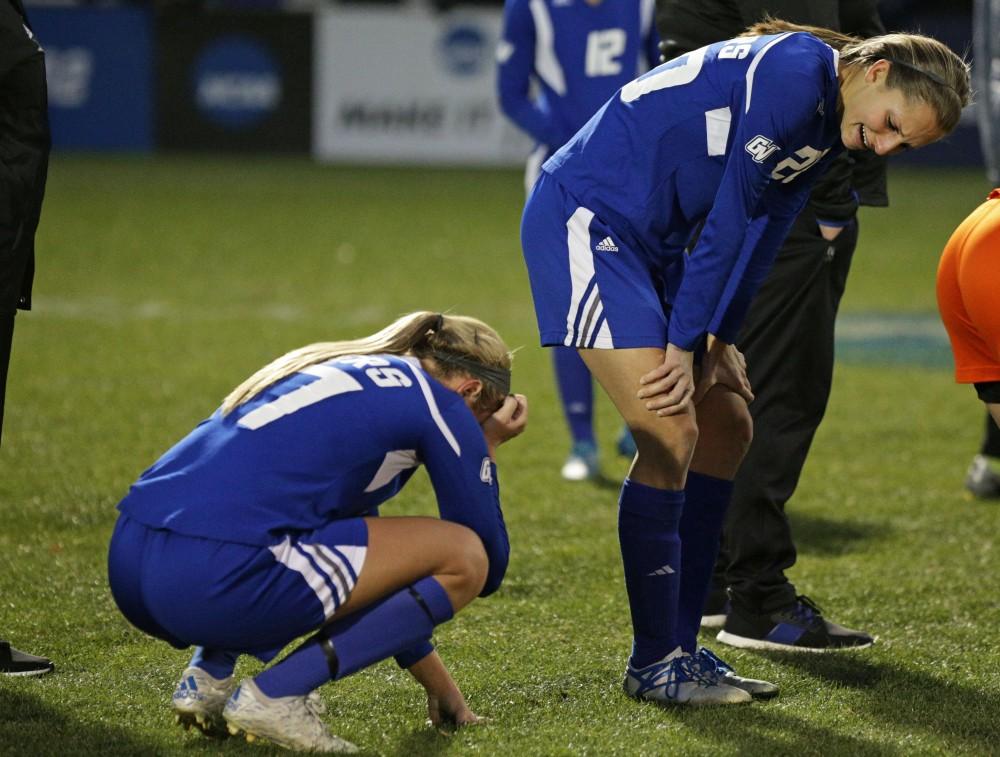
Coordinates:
[606,245]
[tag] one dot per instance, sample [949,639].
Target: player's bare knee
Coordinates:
[468,565]
[742,429]
[669,440]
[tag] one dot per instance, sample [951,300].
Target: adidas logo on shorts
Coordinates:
[606,245]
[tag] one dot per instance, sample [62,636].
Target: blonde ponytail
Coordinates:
[421,334]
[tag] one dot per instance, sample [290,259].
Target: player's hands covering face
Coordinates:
[507,422]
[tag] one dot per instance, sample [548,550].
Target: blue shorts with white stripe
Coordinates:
[242,598]
[590,288]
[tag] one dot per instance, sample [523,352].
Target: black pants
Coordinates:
[788,342]
[16,265]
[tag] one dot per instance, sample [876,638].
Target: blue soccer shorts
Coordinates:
[243,598]
[590,288]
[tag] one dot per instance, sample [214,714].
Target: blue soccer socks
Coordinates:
[648,522]
[576,389]
[218,663]
[396,624]
[706,501]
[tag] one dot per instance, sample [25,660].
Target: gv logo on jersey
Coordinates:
[486,472]
[760,148]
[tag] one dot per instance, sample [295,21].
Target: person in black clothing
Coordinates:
[24,157]
[787,339]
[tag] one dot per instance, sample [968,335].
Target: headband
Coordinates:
[498,378]
[929,74]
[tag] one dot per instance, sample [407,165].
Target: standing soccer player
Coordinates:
[558,63]
[24,161]
[788,341]
[260,525]
[732,137]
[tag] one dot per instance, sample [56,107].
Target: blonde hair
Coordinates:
[922,68]
[421,334]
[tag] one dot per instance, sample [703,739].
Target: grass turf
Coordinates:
[163,282]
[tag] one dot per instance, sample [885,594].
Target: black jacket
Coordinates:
[685,25]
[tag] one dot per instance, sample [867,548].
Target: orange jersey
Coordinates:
[968,293]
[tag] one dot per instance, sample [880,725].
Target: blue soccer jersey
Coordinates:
[730,134]
[332,441]
[577,53]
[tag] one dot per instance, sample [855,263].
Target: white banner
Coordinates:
[410,86]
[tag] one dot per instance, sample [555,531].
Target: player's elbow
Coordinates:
[497,558]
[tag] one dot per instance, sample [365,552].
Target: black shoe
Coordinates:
[798,627]
[716,609]
[16,663]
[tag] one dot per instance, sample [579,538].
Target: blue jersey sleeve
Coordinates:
[465,482]
[781,99]
[515,66]
[760,247]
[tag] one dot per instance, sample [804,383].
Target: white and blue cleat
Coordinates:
[293,722]
[582,463]
[682,678]
[755,688]
[199,700]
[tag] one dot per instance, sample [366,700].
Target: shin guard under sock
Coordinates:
[392,625]
[651,554]
[706,501]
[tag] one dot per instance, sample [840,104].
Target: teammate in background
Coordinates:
[558,63]
[24,162]
[968,280]
[983,477]
[732,135]
[260,525]
[787,339]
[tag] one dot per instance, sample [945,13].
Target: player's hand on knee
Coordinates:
[668,389]
[508,421]
[726,365]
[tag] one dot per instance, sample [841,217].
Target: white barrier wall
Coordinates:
[410,86]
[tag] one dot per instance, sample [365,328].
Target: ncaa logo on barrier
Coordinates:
[464,49]
[237,82]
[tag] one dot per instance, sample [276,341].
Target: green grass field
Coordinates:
[164,282]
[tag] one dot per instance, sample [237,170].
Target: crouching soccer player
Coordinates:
[260,525]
